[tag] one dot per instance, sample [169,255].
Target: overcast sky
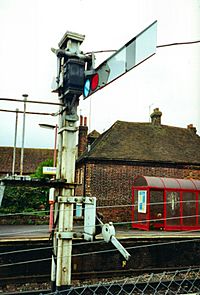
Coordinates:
[169,80]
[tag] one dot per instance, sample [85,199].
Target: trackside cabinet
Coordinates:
[165,203]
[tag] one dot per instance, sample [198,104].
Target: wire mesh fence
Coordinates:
[179,282]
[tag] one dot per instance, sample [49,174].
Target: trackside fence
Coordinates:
[178,282]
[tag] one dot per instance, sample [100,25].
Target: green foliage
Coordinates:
[27,199]
[24,199]
[39,173]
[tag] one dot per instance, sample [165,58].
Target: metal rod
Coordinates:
[57,192]
[32,101]
[23,135]
[15,142]
[55,146]
[29,113]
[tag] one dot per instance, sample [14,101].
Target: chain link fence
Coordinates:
[178,282]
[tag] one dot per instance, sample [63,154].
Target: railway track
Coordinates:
[19,266]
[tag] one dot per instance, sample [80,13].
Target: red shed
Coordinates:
[165,203]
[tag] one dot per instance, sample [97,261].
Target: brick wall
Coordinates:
[111,184]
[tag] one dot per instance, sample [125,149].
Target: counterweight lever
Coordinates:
[108,233]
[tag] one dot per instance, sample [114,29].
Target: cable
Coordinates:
[50,247]
[94,242]
[85,243]
[24,213]
[100,51]
[97,207]
[123,223]
[178,43]
[28,213]
[120,223]
[158,46]
[101,252]
[29,113]
[32,101]
[116,223]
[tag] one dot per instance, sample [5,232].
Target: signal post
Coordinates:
[76,76]
[68,85]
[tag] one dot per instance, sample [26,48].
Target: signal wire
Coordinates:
[102,252]
[116,223]
[94,242]
[97,207]
[158,46]
[85,243]
[178,43]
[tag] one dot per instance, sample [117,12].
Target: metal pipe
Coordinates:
[57,192]
[52,198]
[23,134]
[55,146]
[15,142]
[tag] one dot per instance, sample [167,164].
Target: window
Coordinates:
[173,208]
[189,208]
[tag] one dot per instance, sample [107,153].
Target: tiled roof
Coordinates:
[129,141]
[32,158]
[94,134]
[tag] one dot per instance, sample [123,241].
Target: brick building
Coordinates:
[32,158]
[107,163]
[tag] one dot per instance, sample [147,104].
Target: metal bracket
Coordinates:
[89,72]
[108,231]
[69,200]
[76,199]
[68,128]
[67,235]
[72,117]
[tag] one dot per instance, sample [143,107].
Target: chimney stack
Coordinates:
[82,136]
[92,137]
[156,117]
[192,128]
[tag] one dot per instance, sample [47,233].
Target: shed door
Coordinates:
[156,208]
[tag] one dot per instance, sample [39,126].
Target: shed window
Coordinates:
[189,208]
[173,208]
[156,206]
[199,207]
